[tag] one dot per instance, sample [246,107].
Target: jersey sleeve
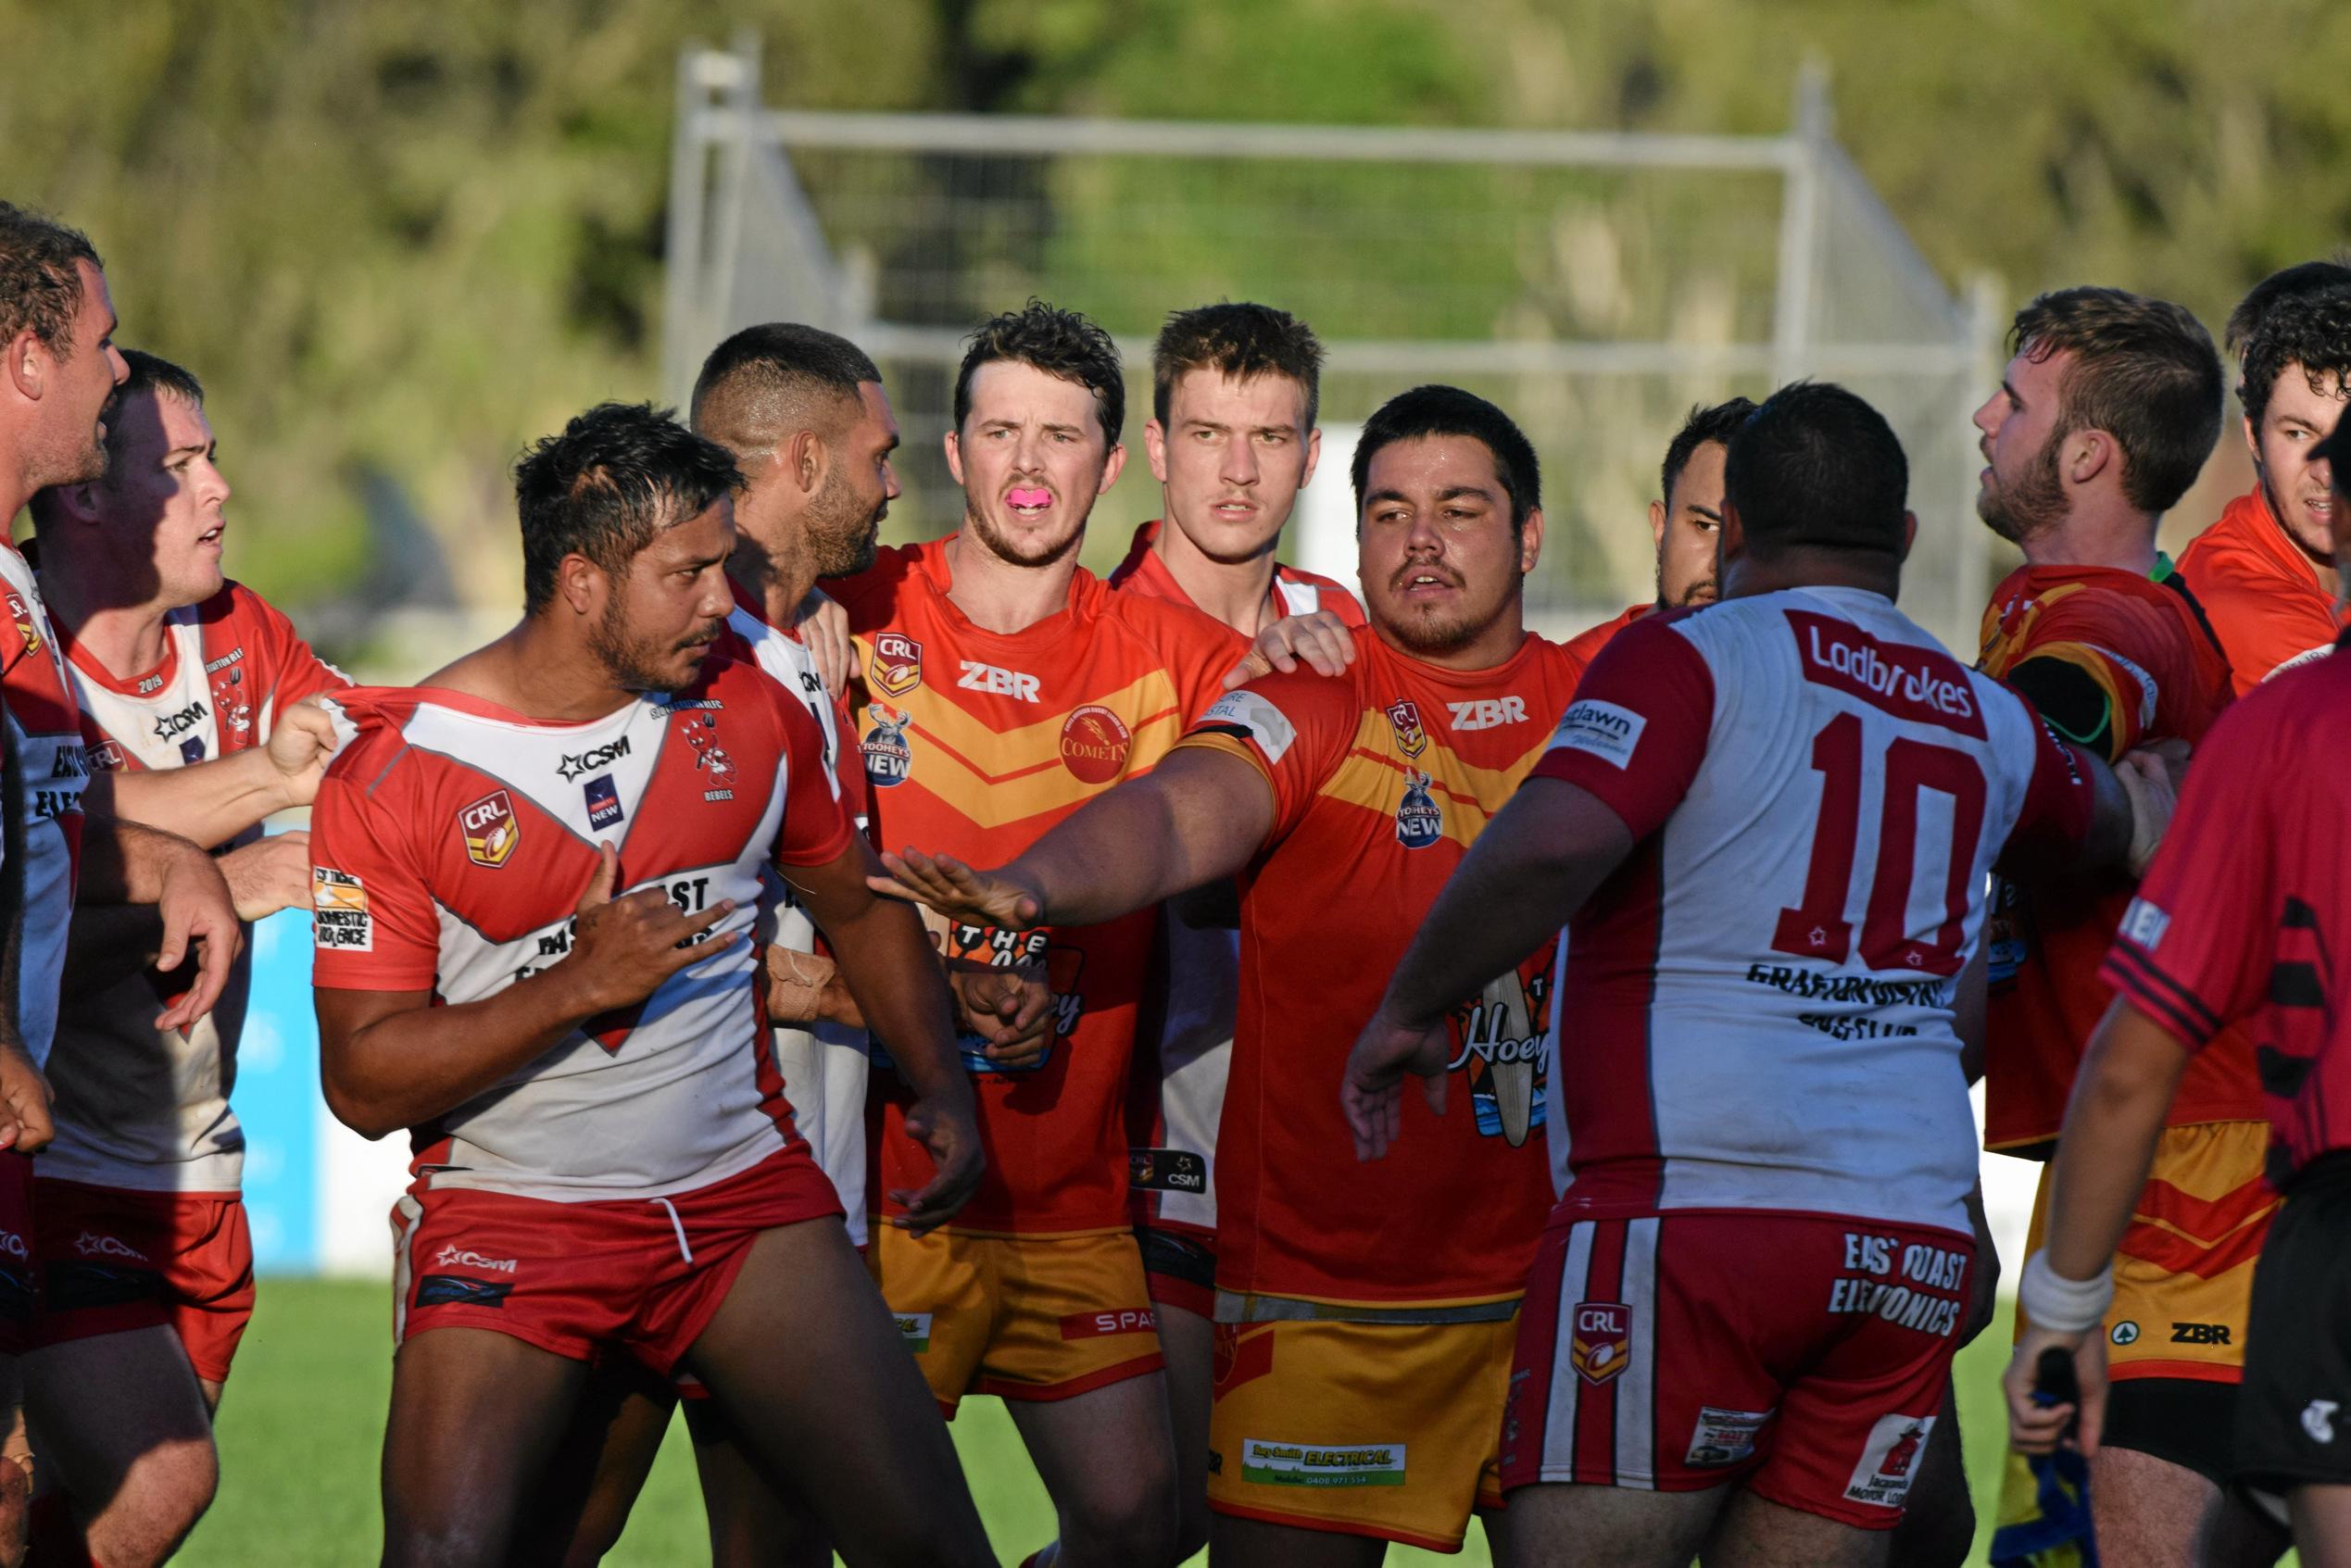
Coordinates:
[2097,667]
[296,672]
[1198,653]
[1637,730]
[1293,729]
[817,824]
[2262,631]
[2194,949]
[373,926]
[2060,801]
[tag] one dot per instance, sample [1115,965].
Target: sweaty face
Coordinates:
[82,386]
[1032,460]
[164,498]
[662,616]
[2019,493]
[1231,459]
[2299,488]
[1687,522]
[1441,559]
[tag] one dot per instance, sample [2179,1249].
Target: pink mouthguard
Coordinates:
[1029,497]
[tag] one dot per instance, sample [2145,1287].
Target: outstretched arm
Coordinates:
[1199,816]
[209,803]
[1533,866]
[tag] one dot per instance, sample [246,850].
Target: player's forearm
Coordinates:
[1532,867]
[2120,1097]
[408,1067]
[207,803]
[1123,852]
[900,993]
[124,862]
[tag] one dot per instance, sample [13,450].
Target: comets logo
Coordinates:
[1095,743]
[491,830]
[1404,717]
[898,663]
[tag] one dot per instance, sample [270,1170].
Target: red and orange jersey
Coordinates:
[1296,592]
[1381,778]
[1586,646]
[2261,592]
[2112,659]
[975,743]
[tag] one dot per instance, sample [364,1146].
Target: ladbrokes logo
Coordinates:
[1908,681]
[1095,743]
[898,663]
[491,829]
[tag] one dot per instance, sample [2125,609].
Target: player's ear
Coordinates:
[1657,525]
[1155,449]
[804,458]
[1114,461]
[1313,455]
[2088,454]
[1530,539]
[28,364]
[581,585]
[954,456]
[2252,436]
[1730,539]
[1909,533]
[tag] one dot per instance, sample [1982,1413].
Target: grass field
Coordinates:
[304,1415]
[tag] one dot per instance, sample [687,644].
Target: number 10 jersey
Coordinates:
[1756,1012]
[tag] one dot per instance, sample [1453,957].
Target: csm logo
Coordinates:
[454,1256]
[1488,713]
[978,677]
[90,1244]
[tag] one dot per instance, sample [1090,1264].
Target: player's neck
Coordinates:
[1239,593]
[540,672]
[125,639]
[1748,576]
[998,595]
[776,579]
[2123,540]
[15,494]
[1497,643]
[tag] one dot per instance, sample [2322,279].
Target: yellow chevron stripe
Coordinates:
[939,716]
[993,801]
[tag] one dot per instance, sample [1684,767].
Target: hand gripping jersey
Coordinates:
[2246,916]
[975,743]
[1173,1111]
[2261,592]
[1381,778]
[136,1107]
[453,839]
[1757,1005]
[47,721]
[2142,644]
[1586,644]
[824,1064]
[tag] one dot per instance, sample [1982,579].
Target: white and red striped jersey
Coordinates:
[453,839]
[825,1067]
[1756,1010]
[47,721]
[138,1106]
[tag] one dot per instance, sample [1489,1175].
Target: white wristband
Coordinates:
[2062,1304]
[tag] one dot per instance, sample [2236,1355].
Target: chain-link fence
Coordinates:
[1594,285]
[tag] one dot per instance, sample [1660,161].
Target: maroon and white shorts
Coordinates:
[1801,1355]
[584,1279]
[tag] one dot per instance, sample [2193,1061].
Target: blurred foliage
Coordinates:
[398,242]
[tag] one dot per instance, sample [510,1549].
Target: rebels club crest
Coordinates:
[701,729]
[491,829]
[898,663]
[230,710]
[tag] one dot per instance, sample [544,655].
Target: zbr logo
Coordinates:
[1404,717]
[1501,1043]
[491,829]
[889,760]
[1420,821]
[1095,743]
[1601,1342]
[898,663]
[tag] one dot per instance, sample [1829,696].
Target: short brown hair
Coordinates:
[1240,341]
[1059,343]
[40,285]
[2144,371]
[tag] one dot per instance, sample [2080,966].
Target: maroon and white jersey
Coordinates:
[1756,1010]
[453,839]
[825,1067]
[138,1106]
[47,721]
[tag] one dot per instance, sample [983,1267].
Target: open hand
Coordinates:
[823,627]
[1319,638]
[197,913]
[949,1130]
[627,946]
[269,875]
[955,890]
[1372,1092]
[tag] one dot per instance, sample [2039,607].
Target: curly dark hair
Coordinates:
[615,477]
[1059,343]
[1242,341]
[1448,411]
[2287,282]
[1818,467]
[40,286]
[2312,330]
[1719,422]
[2144,371]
